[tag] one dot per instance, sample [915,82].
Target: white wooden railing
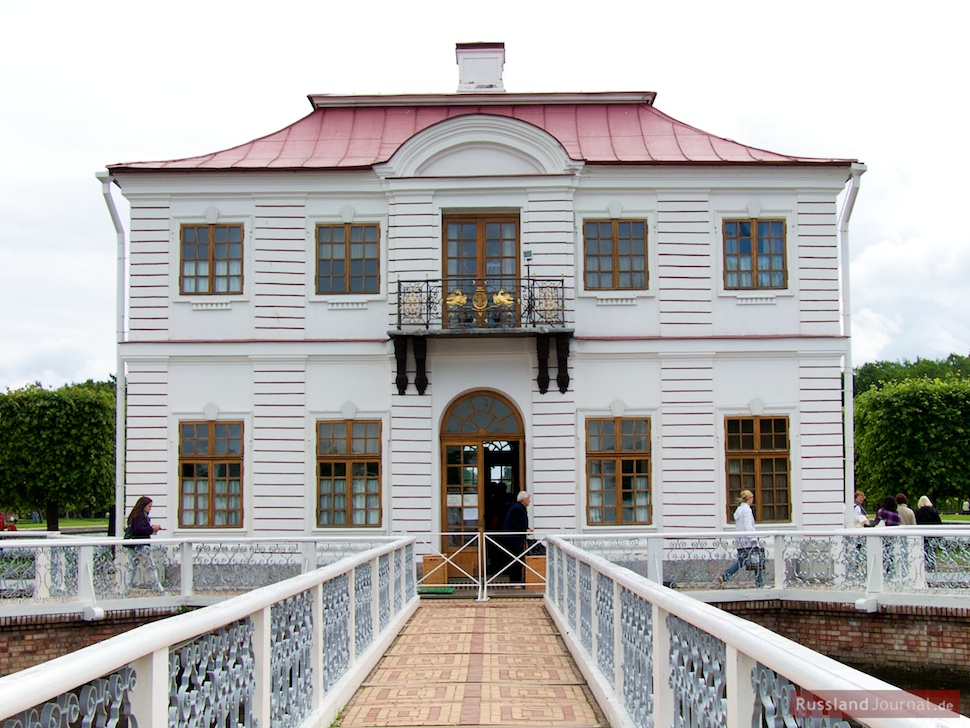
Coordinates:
[656,657]
[288,654]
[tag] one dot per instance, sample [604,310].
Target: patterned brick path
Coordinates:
[458,663]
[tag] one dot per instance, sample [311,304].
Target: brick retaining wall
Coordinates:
[31,640]
[912,647]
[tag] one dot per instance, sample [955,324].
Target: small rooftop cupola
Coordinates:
[480,67]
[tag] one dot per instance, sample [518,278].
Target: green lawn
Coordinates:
[64,523]
[949,518]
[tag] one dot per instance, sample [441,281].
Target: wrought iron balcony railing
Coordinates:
[497,302]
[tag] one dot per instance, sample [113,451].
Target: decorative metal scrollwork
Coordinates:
[697,676]
[605,646]
[586,607]
[774,700]
[636,630]
[363,598]
[291,696]
[105,701]
[336,629]
[212,680]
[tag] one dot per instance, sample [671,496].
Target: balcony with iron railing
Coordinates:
[468,306]
[463,305]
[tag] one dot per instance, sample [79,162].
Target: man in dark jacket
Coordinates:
[517,526]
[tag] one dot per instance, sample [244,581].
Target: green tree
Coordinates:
[872,374]
[57,448]
[913,436]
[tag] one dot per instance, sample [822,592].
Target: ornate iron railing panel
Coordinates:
[384,590]
[336,629]
[291,691]
[212,679]
[636,630]
[586,606]
[411,584]
[605,645]
[363,600]
[697,675]
[571,589]
[101,702]
[398,580]
[774,703]
[462,303]
[234,567]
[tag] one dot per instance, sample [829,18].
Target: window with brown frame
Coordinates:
[758,459]
[211,259]
[210,474]
[348,258]
[754,254]
[348,473]
[618,471]
[615,254]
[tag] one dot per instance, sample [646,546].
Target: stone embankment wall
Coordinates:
[30,640]
[911,647]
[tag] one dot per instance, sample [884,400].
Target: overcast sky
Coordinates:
[84,85]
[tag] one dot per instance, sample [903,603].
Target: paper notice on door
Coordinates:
[470,514]
[454,500]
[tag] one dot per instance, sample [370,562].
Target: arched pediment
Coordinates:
[477,145]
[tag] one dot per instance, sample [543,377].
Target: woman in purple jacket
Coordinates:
[140,528]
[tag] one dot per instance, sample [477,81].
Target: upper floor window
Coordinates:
[212,259]
[348,258]
[348,473]
[618,471]
[616,254]
[754,254]
[758,460]
[210,474]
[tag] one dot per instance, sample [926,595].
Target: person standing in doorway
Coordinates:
[517,527]
[748,550]
[140,528]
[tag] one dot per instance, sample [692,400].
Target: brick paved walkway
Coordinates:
[462,663]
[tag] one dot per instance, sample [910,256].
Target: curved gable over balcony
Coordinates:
[479,145]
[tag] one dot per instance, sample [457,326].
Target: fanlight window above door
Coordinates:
[482,413]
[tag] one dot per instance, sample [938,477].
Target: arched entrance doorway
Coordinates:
[482,471]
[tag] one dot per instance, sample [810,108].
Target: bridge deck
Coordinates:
[459,663]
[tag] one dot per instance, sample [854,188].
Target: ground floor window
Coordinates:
[348,473]
[618,471]
[210,468]
[758,459]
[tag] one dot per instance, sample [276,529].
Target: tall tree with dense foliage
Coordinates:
[57,448]
[913,436]
[872,374]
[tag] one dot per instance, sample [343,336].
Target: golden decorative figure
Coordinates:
[503,298]
[480,300]
[456,299]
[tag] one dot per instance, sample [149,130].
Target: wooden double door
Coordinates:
[482,448]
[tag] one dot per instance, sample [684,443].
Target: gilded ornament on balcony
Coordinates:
[480,300]
[456,298]
[503,298]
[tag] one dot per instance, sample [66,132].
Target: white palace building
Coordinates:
[398,311]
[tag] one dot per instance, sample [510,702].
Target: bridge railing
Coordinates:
[653,656]
[869,562]
[288,654]
[70,575]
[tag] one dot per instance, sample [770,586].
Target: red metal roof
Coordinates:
[352,136]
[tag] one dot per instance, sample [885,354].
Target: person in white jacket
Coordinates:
[748,548]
